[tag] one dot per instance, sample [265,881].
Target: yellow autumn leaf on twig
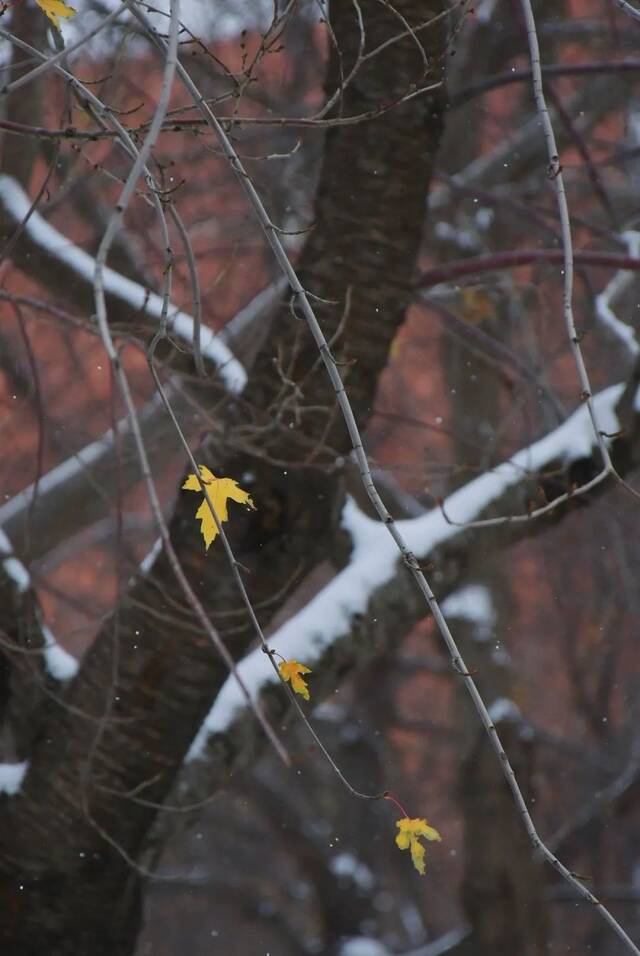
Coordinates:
[55,9]
[409,839]
[292,671]
[220,490]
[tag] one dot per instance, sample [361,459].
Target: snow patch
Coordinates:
[13,568]
[59,663]
[255,671]
[504,709]
[484,218]
[620,282]
[11,777]
[363,946]
[464,239]
[18,573]
[484,11]
[345,864]
[472,603]
[363,530]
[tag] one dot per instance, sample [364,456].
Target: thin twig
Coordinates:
[9,246]
[50,61]
[467,93]
[494,261]
[530,515]
[554,173]
[37,390]
[582,147]
[346,80]
[195,288]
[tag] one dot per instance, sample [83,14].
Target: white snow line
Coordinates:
[13,568]
[618,284]
[135,295]
[58,662]
[18,573]
[328,616]
[149,559]
[58,476]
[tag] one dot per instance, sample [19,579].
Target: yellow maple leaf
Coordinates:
[292,671]
[220,490]
[55,9]
[409,839]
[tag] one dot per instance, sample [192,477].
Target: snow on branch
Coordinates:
[329,616]
[619,284]
[12,567]
[363,946]
[77,474]
[11,777]
[59,477]
[503,709]
[472,603]
[132,293]
[58,663]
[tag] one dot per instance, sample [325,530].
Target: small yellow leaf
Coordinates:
[409,839]
[292,671]
[219,490]
[477,305]
[55,9]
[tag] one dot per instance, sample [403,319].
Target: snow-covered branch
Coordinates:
[17,204]
[58,663]
[614,289]
[374,569]
[66,498]
[28,653]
